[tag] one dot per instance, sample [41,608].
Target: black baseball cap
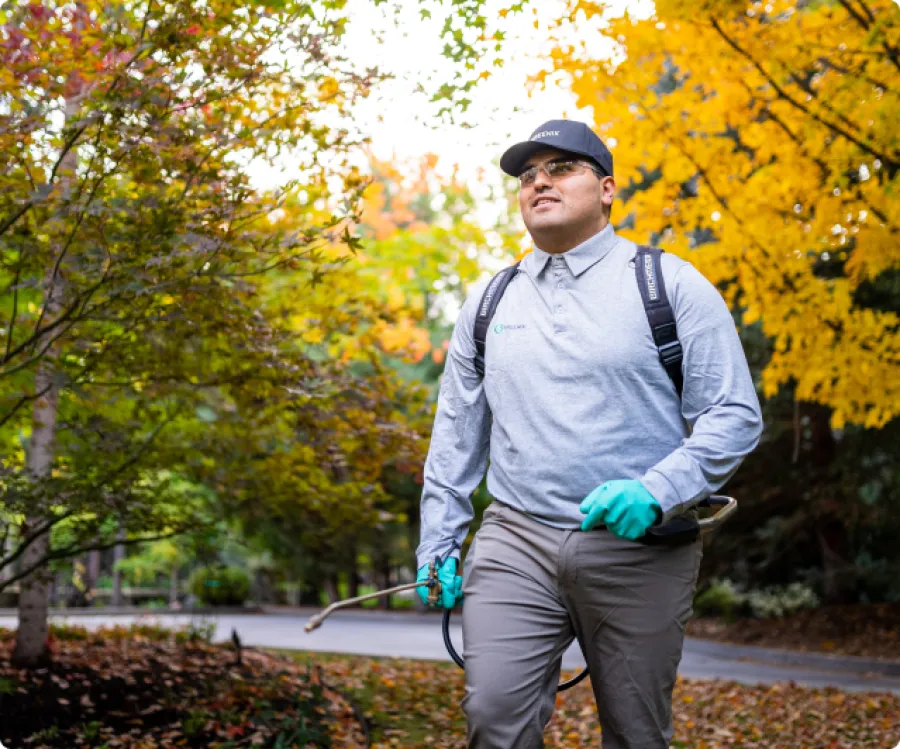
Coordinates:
[566,135]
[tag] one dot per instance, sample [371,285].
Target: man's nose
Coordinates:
[541,180]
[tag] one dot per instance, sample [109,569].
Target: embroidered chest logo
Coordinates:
[500,327]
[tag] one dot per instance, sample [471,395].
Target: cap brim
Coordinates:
[513,160]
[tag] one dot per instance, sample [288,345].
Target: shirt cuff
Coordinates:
[665,493]
[423,558]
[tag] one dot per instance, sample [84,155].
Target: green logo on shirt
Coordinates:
[500,327]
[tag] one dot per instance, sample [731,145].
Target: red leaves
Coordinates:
[38,12]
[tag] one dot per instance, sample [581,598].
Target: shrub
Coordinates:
[220,585]
[780,600]
[724,598]
[721,598]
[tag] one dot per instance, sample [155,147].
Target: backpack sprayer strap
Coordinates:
[486,308]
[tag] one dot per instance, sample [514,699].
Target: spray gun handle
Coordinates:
[434,585]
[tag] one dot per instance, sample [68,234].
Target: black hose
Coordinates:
[458,659]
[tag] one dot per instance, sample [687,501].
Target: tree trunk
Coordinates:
[93,570]
[118,556]
[331,587]
[173,588]
[6,569]
[838,574]
[386,577]
[352,571]
[381,561]
[31,638]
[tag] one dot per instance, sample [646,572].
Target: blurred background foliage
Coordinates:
[202,380]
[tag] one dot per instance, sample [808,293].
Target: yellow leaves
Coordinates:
[396,298]
[328,89]
[718,135]
[313,335]
[403,339]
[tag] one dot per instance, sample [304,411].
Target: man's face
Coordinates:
[577,202]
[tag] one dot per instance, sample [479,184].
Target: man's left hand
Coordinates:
[624,506]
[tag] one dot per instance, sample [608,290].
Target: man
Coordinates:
[589,446]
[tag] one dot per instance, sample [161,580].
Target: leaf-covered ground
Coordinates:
[415,704]
[147,688]
[872,631]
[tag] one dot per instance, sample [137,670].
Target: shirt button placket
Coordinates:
[559,271]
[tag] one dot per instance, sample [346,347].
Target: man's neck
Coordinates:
[556,243]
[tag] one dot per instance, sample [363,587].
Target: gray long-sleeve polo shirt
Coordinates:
[574,395]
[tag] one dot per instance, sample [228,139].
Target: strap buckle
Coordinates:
[670,353]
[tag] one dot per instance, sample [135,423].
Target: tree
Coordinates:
[762,144]
[136,258]
[130,238]
[758,141]
[332,479]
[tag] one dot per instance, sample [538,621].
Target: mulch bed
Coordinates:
[871,631]
[146,688]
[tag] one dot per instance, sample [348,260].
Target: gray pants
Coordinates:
[530,589]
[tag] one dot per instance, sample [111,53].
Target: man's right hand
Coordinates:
[451,584]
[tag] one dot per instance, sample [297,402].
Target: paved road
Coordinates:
[419,636]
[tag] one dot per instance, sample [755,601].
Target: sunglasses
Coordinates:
[557,169]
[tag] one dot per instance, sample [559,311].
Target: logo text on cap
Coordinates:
[545,134]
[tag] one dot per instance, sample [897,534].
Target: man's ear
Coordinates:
[609,187]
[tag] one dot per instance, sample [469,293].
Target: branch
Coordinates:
[64,317]
[74,550]
[15,305]
[130,461]
[855,13]
[35,357]
[125,465]
[22,401]
[6,531]
[894,164]
[5,226]
[858,74]
[719,199]
[867,23]
[32,537]
[68,244]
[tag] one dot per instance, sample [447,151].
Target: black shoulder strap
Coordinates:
[486,308]
[648,269]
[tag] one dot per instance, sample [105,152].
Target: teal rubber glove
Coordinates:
[624,506]
[451,584]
